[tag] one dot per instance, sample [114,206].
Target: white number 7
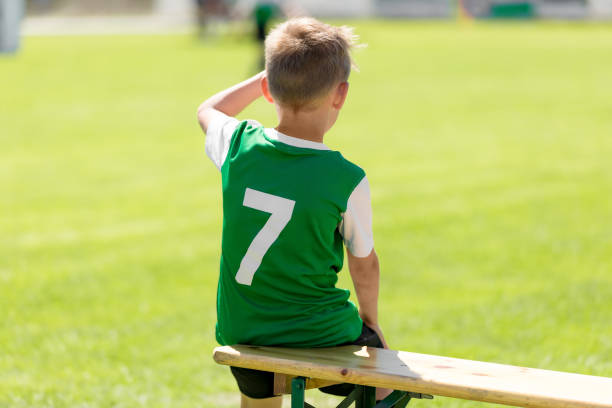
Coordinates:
[281,210]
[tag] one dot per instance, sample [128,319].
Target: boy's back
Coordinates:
[284,200]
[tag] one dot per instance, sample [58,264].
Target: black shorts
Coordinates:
[260,384]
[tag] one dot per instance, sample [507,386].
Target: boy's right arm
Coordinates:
[216,116]
[365,273]
[231,101]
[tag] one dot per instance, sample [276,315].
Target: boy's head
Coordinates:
[305,60]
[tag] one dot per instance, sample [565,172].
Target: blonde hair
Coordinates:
[305,58]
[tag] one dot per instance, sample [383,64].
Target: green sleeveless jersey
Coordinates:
[281,247]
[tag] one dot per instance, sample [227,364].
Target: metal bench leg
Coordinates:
[363,396]
[354,395]
[367,397]
[298,386]
[397,399]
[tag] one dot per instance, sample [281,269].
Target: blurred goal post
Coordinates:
[11,13]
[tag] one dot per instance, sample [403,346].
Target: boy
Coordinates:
[289,204]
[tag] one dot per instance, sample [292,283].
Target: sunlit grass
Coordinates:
[488,151]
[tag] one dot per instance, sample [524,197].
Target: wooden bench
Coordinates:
[416,375]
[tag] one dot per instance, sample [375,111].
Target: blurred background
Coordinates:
[485,128]
[73,16]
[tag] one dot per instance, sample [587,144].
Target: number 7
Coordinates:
[281,210]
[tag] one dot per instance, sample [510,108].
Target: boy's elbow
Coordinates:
[204,115]
[204,105]
[202,109]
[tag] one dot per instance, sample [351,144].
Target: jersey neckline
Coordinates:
[274,134]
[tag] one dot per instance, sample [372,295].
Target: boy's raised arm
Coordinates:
[231,101]
[365,273]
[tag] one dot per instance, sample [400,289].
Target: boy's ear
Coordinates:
[340,96]
[265,90]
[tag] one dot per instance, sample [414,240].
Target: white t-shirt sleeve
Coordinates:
[219,137]
[356,224]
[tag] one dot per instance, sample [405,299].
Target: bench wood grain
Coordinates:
[444,376]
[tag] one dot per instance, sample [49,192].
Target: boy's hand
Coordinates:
[231,101]
[379,332]
[381,393]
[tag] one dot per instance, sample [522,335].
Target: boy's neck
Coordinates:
[307,125]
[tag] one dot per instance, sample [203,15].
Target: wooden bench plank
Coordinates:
[444,376]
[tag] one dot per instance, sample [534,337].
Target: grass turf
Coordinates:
[487,147]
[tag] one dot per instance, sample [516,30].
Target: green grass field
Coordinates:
[488,148]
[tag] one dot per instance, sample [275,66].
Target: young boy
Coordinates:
[289,204]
